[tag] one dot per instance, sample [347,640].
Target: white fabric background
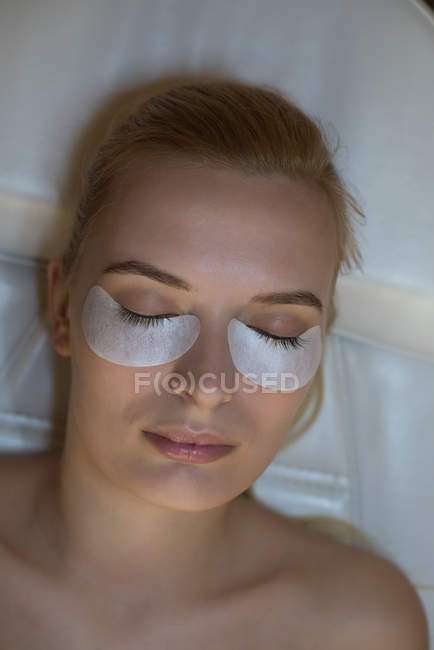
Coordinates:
[366,68]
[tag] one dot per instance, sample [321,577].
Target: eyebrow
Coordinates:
[146,269]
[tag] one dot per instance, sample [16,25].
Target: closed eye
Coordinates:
[134,318]
[285,342]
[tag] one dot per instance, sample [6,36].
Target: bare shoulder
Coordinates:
[369,598]
[21,476]
[352,597]
[378,607]
[19,471]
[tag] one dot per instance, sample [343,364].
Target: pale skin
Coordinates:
[111,545]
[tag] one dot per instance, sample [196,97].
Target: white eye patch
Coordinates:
[130,343]
[268,364]
[128,340]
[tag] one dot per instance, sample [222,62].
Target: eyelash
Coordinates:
[285,342]
[132,317]
[139,319]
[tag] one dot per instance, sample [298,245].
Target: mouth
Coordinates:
[187,435]
[190,452]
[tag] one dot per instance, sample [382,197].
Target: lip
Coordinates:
[186,452]
[183,433]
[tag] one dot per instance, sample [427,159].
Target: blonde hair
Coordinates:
[224,123]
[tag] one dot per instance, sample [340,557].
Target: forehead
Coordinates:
[216,226]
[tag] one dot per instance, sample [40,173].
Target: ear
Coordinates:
[58,304]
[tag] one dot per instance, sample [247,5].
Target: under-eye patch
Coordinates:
[122,337]
[267,362]
[126,338]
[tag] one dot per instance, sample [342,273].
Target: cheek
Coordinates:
[273,414]
[99,388]
[102,385]
[111,389]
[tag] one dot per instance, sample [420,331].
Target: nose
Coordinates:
[207,392]
[206,373]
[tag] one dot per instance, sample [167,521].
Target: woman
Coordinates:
[193,300]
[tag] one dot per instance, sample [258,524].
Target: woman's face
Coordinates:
[229,237]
